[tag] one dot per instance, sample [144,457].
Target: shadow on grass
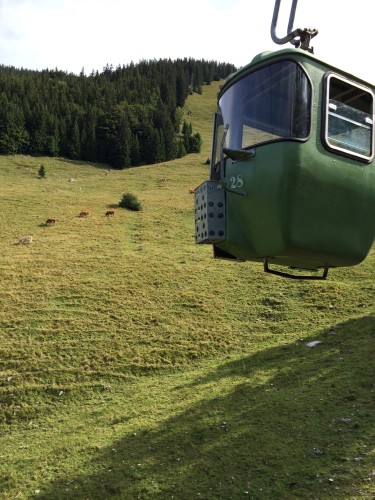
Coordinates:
[289,422]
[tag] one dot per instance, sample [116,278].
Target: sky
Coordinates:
[72,35]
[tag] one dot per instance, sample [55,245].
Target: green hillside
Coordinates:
[134,365]
[124,116]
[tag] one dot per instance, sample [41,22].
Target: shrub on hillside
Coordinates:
[195,143]
[42,172]
[130,201]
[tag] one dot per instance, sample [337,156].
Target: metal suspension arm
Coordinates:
[298,37]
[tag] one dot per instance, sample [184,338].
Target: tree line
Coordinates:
[125,116]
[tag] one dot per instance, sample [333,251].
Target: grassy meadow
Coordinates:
[135,366]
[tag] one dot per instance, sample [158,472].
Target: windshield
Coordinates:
[270,104]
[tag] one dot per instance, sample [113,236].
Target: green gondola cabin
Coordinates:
[292,178]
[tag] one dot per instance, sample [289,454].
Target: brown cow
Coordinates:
[51,221]
[84,214]
[109,212]
[191,191]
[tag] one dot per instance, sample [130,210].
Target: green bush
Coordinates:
[195,143]
[42,172]
[131,202]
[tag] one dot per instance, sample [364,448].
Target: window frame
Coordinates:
[325,121]
[276,139]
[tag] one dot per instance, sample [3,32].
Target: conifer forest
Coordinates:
[128,116]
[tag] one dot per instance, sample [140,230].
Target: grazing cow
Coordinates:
[109,212]
[25,240]
[84,214]
[51,221]
[191,191]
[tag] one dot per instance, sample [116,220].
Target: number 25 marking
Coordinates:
[236,182]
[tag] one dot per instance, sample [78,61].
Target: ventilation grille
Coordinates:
[210,212]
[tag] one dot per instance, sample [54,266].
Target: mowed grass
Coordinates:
[134,365]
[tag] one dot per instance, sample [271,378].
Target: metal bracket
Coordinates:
[222,162]
[239,154]
[300,38]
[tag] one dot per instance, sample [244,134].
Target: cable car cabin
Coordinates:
[292,178]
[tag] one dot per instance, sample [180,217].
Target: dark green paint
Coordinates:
[305,206]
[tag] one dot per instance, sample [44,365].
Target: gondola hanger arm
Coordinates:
[300,38]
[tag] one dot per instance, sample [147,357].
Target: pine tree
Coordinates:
[135,153]
[42,172]
[195,143]
[160,147]
[181,151]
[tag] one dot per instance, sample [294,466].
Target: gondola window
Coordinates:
[270,104]
[349,111]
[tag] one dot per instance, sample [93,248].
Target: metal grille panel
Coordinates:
[210,212]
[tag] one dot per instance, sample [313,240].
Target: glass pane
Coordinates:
[349,128]
[270,104]
[349,117]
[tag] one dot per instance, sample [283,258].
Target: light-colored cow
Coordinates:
[25,240]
